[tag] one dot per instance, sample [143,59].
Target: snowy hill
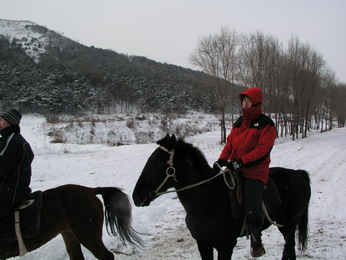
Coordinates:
[33,38]
[50,73]
[162,224]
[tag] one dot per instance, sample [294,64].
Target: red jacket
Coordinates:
[251,139]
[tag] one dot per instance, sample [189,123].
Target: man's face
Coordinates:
[246,103]
[3,123]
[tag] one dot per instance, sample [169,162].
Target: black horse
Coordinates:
[208,213]
[76,213]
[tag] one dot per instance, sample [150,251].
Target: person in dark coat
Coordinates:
[15,162]
[247,151]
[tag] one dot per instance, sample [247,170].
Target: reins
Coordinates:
[173,175]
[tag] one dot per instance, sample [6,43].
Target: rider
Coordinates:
[15,162]
[247,150]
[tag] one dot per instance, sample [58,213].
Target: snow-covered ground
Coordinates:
[162,223]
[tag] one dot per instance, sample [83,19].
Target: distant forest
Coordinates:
[72,78]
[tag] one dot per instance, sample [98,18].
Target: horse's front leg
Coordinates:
[205,251]
[225,252]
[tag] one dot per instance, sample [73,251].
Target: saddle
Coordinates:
[271,197]
[30,219]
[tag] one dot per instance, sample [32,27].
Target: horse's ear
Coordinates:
[173,138]
[167,137]
[164,140]
[171,142]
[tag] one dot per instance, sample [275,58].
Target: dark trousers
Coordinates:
[4,209]
[252,203]
[5,206]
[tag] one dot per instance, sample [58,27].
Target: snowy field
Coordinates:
[162,223]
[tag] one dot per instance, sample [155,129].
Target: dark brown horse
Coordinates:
[76,213]
[208,213]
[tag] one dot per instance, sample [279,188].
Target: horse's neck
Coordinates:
[202,198]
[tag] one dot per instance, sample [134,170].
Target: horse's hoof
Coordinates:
[257,249]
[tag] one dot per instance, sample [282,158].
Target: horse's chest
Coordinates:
[208,228]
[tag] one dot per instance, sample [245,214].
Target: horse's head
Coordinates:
[158,174]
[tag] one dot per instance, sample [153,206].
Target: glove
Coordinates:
[234,166]
[219,164]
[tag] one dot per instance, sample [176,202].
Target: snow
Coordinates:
[162,223]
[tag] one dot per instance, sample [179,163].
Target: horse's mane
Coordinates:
[193,152]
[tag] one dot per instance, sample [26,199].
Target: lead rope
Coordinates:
[190,186]
[21,245]
[266,214]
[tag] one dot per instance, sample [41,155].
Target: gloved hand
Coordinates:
[219,164]
[234,166]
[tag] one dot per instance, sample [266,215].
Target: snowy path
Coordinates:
[166,236]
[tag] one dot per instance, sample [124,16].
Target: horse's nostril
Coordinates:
[135,200]
[138,202]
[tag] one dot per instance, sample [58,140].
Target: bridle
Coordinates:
[170,173]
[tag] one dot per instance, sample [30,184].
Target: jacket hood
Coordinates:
[255,93]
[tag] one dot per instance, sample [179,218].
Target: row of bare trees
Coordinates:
[300,92]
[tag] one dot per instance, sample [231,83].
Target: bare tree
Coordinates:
[305,73]
[261,62]
[261,65]
[299,90]
[338,107]
[217,56]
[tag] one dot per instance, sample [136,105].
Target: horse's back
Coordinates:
[67,189]
[293,186]
[71,198]
[284,173]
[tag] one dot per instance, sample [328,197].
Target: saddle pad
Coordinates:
[30,219]
[271,197]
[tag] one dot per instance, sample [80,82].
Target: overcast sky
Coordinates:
[168,30]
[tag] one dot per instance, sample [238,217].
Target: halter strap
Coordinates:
[171,153]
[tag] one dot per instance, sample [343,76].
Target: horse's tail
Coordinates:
[303,223]
[303,230]
[118,214]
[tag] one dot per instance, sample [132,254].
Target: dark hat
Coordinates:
[12,116]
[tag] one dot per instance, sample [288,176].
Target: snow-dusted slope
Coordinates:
[33,37]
